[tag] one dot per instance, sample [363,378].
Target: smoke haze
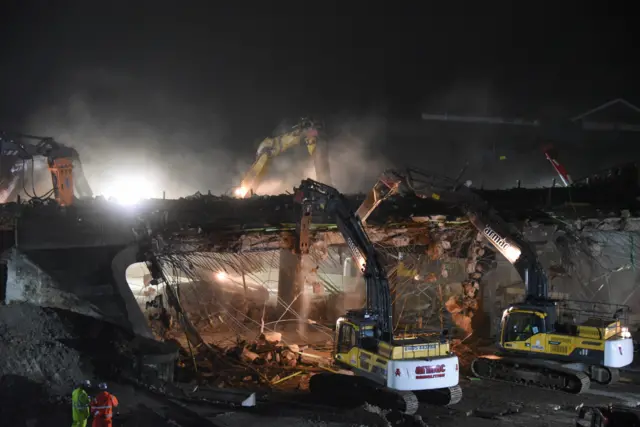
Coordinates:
[127,135]
[354,158]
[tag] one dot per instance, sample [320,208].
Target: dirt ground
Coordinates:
[38,369]
[481,406]
[531,407]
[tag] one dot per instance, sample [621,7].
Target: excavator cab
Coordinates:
[352,332]
[522,329]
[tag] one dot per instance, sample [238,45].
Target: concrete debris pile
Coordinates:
[269,349]
[264,362]
[31,346]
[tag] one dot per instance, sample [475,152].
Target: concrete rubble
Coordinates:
[31,346]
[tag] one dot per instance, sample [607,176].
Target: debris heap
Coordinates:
[31,345]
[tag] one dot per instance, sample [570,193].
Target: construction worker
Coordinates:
[80,404]
[102,407]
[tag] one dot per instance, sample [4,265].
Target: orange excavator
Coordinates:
[63,163]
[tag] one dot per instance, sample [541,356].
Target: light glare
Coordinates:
[129,190]
[241,192]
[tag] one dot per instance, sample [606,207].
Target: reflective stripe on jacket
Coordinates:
[103,404]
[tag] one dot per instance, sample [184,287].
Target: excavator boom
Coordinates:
[305,133]
[378,303]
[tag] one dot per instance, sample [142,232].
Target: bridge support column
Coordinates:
[135,316]
[291,274]
[290,282]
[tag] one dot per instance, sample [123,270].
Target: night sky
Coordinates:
[214,80]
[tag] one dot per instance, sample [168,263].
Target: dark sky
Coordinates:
[254,64]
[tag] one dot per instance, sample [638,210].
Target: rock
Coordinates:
[294,347]
[304,382]
[249,355]
[272,337]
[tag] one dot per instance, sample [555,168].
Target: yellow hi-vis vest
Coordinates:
[80,404]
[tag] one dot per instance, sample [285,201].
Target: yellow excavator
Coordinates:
[308,133]
[562,345]
[391,372]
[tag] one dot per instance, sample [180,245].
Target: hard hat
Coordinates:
[102,386]
[86,384]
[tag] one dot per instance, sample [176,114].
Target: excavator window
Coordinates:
[521,326]
[347,338]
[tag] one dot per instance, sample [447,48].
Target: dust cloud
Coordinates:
[354,158]
[132,137]
[155,143]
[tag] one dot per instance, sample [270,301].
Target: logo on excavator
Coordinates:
[356,253]
[496,238]
[426,372]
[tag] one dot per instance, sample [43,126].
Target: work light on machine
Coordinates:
[511,253]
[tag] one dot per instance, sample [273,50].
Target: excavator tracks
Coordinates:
[409,400]
[338,388]
[537,373]
[440,397]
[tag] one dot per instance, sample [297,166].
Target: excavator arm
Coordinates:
[503,237]
[64,165]
[378,304]
[305,133]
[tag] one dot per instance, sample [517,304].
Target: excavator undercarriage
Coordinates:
[532,372]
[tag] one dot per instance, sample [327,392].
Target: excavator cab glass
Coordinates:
[347,338]
[369,339]
[520,326]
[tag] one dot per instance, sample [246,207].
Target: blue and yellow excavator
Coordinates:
[562,345]
[391,371]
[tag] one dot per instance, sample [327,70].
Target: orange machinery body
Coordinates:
[62,178]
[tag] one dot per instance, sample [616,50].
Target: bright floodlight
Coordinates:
[511,253]
[221,275]
[241,192]
[129,190]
